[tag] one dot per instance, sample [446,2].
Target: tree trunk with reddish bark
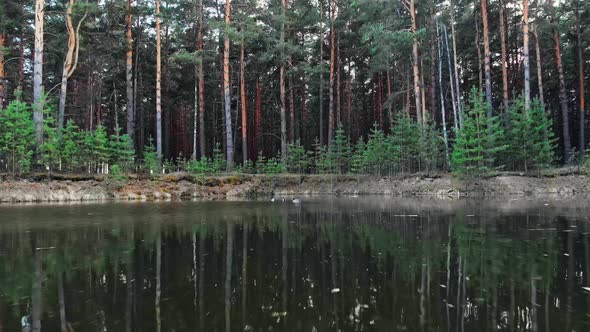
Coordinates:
[244,106]
[567,147]
[505,98]
[158,83]
[129,75]
[226,92]
[258,117]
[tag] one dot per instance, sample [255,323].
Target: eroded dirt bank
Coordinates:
[186,186]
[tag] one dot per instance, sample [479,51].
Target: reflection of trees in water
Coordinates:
[344,265]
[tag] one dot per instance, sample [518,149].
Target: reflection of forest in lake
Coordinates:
[364,264]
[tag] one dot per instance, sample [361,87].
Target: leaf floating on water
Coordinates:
[566,254]
[335,290]
[443,286]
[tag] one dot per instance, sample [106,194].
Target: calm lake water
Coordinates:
[328,264]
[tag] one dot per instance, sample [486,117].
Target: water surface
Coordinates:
[328,264]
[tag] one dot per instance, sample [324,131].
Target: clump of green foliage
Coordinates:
[17,137]
[480,140]
[522,141]
[269,165]
[529,137]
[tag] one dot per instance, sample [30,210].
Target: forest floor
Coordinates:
[84,187]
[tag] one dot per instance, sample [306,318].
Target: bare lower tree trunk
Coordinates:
[539,67]
[38,71]
[331,79]
[415,69]
[486,49]
[505,98]
[129,75]
[257,118]
[442,98]
[525,55]
[321,96]
[244,106]
[567,147]
[291,108]
[582,104]
[201,83]
[282,89]
[479,61]
[70,63]
[158,83]
[454,98]
[226,91]
[338,97]
[456,67]
[2,74]
[195,114]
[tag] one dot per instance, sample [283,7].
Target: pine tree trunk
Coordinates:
[390,102]
[567,148]
[479,56]
[195,114]
[456,67]
[282,88]
[338,97]
[304,115]
[38,71]
[505,98]
[292,123]
[582,140]
[321,96]
[70,63]
[158,83]
[442,98]
[525,55]
[21,60]
[244,106]
[486,48]
[380,100]
[451,81]
[539,68]
[129,75]
[2,74]
[258,117]
[201,83]
[415,69]
[226,91]
[349,103]
[331,80]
